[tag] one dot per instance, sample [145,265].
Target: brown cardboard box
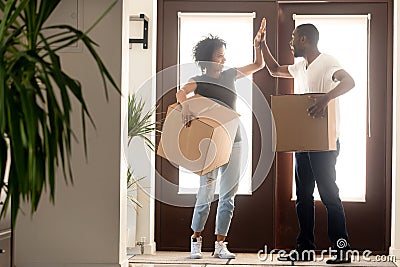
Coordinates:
[296,130]
[207,143]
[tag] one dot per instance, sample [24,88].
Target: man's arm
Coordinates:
[273,66]
[346,83]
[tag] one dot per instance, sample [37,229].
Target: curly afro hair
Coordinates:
[204,50]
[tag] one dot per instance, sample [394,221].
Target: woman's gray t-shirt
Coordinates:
[222,90]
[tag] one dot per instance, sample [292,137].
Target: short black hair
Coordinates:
[204,50]
[310,31]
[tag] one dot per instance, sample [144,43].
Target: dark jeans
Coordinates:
[311,168]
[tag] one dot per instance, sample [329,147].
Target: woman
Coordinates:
[219,85]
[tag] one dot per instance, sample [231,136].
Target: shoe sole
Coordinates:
[337,262]
[196,257]
[225,258]
[292,259]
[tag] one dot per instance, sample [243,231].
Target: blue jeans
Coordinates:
[230,176]
[319,168]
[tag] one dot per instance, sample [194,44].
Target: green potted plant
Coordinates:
[140,125]
[35,100]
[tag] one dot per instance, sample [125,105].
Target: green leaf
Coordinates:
[140,123]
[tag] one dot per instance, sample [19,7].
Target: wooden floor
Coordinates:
[181,259]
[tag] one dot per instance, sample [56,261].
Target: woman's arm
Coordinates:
[258,60]
[253,67]
[181,97]
[182,93]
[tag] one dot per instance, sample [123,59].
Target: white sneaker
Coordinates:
[195,247]
[222,252]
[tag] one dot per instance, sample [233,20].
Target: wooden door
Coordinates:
[368,222]
[252,224]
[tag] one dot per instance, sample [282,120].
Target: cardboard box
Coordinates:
[296,130]
[207,143]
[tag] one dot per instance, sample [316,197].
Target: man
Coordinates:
[316,73]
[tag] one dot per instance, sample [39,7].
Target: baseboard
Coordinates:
[150,248]
[394,252]
[125,263]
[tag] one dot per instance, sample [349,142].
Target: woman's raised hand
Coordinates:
[260,36]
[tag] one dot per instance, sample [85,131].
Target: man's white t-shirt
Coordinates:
[317,78]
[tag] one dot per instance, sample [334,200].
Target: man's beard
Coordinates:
[297,53]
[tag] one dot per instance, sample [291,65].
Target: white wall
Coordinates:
[395,242]
[142,66]
[85,226]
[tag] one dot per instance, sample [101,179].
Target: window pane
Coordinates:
[335,33]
